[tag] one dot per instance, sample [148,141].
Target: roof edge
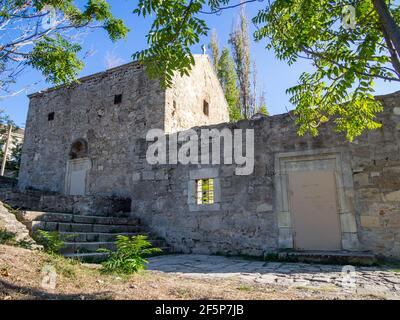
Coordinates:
[85,78]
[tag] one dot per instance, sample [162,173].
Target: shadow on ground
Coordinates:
[15,292]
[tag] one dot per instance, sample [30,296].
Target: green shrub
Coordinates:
[129,256]
[50,241]
[6,237]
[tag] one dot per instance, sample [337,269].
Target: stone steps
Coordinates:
[88,247]
[93,257]
[85,227]
[84,234]
[69,217]
[93,236]
[97,257]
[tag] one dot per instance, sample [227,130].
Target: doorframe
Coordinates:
[67,182]
[335,159]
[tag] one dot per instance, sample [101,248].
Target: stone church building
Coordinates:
[305,194]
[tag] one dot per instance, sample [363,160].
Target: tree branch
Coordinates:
[321,56]
[229,7]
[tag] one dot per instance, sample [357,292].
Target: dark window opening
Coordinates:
[50,116]
[117,98]
[206,108]
[174,108]
[79,149]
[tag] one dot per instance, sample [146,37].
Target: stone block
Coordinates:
[285,238]
[370,222]
[264,207]
[204,173]
[148,175]
[284,220]
[136,176]
[350,241]
[393,196]
[393,221]
[375,174]
[362,179]
[348,222]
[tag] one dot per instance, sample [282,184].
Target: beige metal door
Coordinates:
[313,199]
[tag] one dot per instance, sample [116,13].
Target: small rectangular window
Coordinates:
[117,98]
[206,108]
[50,116]
[205,191]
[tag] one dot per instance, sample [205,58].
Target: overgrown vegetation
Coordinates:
[129,256]
[68,268]
[9,238]
[45,35]
[6,237]
[50,240]
[350,44]
[237,72]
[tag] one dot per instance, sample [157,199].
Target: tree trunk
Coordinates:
[388,23]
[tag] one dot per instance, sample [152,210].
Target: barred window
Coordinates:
[205,191]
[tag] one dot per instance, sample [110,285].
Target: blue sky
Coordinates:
[274,76]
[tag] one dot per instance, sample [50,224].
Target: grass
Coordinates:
[66,267]
[21,275]
[7,237]
[245,287]
[5,270]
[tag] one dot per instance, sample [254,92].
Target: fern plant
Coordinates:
[129,256]
[50,241]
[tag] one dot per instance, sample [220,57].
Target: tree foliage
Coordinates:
[346,61]
[228,79]
[14,155]
[239,40]
[214,46]
[262,105]
[43,34]
[174,30]
[235,73]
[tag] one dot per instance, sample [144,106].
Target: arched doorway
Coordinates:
[78,166]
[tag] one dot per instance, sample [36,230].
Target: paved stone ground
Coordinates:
[379,281]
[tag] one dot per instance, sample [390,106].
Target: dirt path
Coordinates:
[22,275]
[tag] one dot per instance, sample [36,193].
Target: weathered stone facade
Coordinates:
[87,111]
[252,213]
[254,218]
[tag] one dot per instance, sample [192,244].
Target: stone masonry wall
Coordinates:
[88,111]
[246,220]
[376,172]
[249,215]
[184,100]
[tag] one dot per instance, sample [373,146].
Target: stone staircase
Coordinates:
[85,234]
